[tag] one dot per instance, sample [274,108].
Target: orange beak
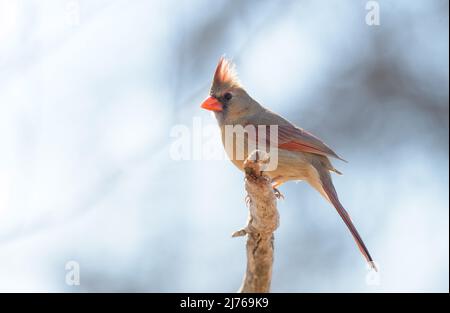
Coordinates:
[212,104]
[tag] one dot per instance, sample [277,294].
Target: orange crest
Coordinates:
[225,75]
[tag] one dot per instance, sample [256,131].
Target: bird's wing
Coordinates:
[291,137]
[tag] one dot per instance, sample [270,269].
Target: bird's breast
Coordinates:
[290,165]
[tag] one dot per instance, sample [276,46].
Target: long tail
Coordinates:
[330,191]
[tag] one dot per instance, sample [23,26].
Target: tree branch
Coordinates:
[263,220]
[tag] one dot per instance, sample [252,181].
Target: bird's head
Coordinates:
[227,98]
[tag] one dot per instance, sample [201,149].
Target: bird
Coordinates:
[301,155]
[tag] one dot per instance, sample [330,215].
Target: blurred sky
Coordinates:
[91,89]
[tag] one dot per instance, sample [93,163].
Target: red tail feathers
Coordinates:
[328,187]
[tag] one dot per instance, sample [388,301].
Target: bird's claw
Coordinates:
[278,193]
[248,200]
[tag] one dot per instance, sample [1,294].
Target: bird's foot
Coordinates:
[278,193]
[248,200]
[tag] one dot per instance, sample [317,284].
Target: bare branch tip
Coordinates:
[239,233]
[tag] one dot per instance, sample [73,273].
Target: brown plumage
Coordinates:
[301,155]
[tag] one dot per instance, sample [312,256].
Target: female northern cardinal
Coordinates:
[301,155]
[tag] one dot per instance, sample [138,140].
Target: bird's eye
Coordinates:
[227,96]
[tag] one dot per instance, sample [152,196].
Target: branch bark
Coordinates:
[263,220]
